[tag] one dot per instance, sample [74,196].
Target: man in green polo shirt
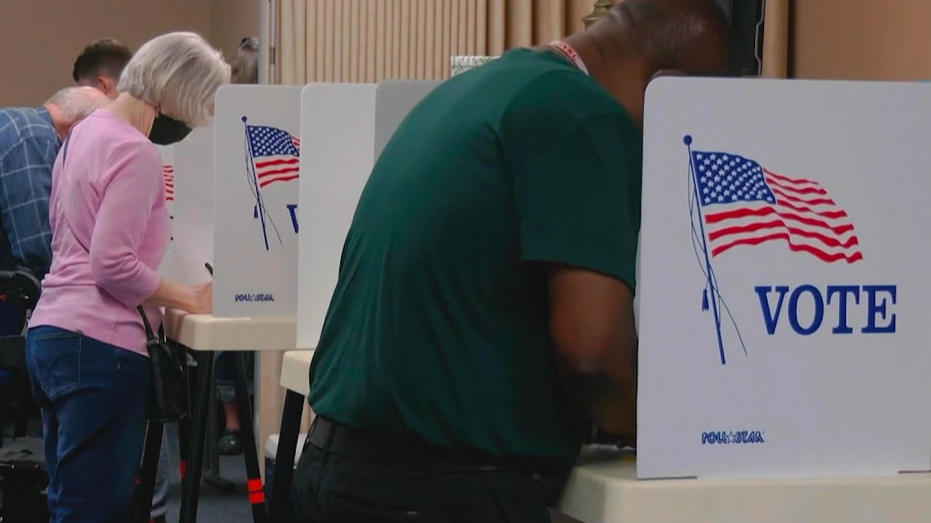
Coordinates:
[491,259]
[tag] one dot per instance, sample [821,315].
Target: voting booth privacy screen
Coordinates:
[394,99]
[256,190]
[784,283]
[167,268]
[192,224]
[339,123]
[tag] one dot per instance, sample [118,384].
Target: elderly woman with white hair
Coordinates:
[86,347]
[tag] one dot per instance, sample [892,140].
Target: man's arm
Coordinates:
[131,183]
[24,202]
[592,322]
[592,325]
[579,210]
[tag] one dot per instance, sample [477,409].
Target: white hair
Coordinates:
[77,103]
[179,73]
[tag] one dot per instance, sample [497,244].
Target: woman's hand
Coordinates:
[201,299]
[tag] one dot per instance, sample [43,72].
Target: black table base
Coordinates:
[190,493]
[284,461]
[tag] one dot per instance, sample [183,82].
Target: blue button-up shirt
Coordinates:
[29,145]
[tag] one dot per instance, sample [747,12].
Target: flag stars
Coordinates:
[724,178]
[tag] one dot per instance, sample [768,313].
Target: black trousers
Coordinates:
[347,479]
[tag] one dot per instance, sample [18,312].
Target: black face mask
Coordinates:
[168,131]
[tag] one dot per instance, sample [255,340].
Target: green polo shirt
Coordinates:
[438,326]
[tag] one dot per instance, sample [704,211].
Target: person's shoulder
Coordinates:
[120,140]
[19,123]
[557,92]
[138,151]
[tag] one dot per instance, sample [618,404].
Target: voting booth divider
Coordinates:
[192,220]
[784,280]
[338,126]
[167,268]
[340,123]
[257,170]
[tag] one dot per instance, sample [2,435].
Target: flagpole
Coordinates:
[701,223]
[260,207]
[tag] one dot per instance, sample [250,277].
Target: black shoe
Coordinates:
[230,443]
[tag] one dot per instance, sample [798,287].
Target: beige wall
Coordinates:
[41,38]
[374,40]
[862,39]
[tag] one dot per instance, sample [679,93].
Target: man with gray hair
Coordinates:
[29,142]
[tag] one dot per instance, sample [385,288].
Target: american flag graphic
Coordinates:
[742,203]
[168,171]
[275,154]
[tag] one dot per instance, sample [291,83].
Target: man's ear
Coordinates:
[108,86]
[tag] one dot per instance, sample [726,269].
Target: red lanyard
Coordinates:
[570,53]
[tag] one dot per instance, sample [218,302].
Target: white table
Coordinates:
[205,335]
[203,332]
[604,488]
[295,371]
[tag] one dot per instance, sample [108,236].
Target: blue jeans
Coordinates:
[94,398]
[162,479]
[225,372]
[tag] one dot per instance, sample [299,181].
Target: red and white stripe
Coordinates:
[804,216]
[168,171]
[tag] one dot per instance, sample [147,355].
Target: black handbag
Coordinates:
[169,398]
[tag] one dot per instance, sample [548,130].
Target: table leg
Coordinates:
[191,492]
[247,422]
[184,446]
[184,425]
[145,487]
[284,461]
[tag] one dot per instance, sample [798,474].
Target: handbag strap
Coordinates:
[149,333]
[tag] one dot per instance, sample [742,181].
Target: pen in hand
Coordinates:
[209,268]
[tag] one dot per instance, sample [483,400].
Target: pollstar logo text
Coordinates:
[739,437]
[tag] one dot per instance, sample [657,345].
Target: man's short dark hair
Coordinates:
[681,34]
[104,57]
